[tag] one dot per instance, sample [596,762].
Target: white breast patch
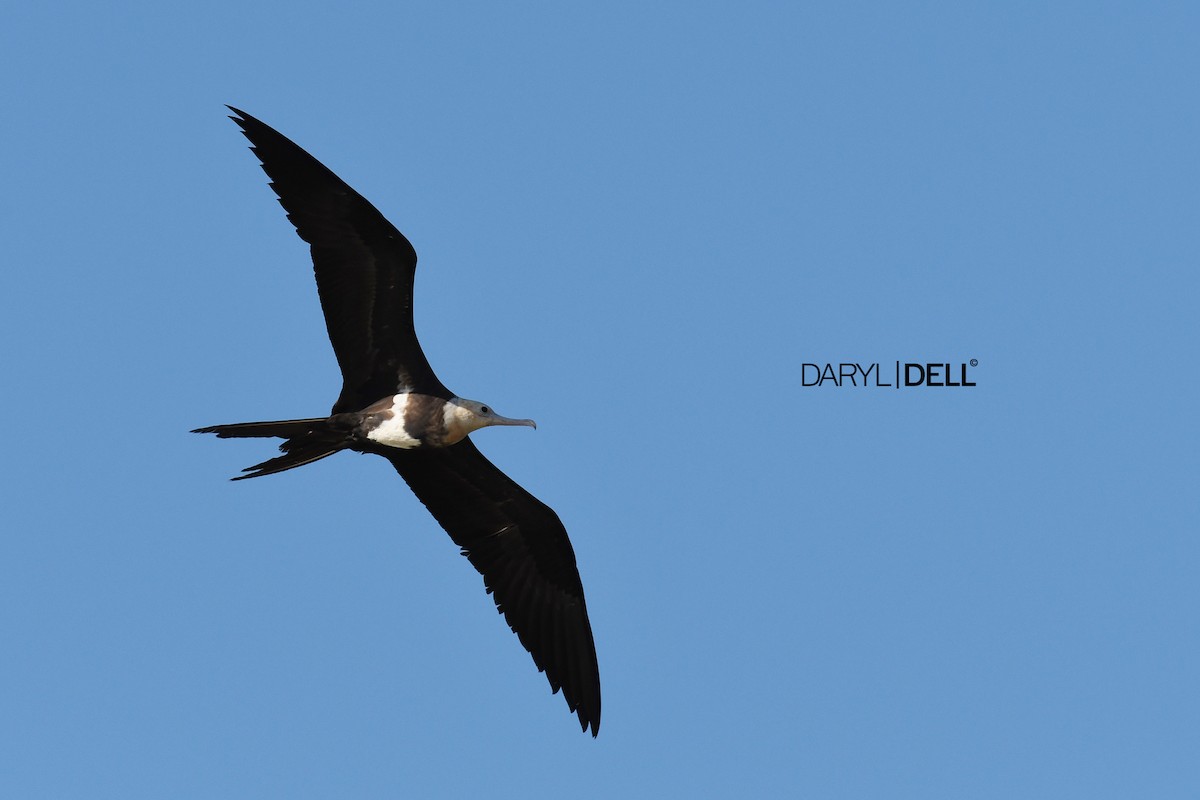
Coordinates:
[390,432]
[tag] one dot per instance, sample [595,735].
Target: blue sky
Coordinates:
[635,225]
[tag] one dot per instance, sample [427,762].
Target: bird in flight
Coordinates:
[393,405]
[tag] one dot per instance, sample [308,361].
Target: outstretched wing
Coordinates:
[520,547]
[364,269]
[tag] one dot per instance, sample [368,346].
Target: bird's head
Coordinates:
[464,416]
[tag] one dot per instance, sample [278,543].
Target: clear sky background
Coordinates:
[636,222]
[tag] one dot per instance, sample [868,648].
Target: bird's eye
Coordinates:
[485,409]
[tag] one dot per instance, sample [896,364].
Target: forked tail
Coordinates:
[308,440]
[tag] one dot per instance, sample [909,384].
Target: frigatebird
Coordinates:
[393,405]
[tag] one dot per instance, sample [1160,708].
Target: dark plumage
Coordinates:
[392,404]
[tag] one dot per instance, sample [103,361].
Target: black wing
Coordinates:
[520,547]
[364,269]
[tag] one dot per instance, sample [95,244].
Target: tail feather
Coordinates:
[292,458]
[308,440]
[283,428]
